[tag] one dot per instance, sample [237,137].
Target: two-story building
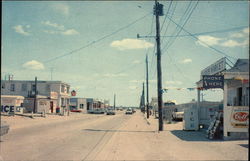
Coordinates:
[26,88]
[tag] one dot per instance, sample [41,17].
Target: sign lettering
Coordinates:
[213,81]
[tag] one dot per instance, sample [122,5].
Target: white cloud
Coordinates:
[62,8]
[233,43]
[242,34]
[237,35]
[34,65]
[185,61]
[140,81]
[59,29]
[174,82]
[246,30]
[55,25]
[20,29]
[136,62]
[114,75]
[135,81]
[133,87]
[127,44]
[209,40]
[70,32]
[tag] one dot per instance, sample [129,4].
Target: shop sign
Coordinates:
[213,81]
[240,117]
[53,95]
[7,109]
[214,68]
[73,93]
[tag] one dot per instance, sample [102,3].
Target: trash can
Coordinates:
[57,110]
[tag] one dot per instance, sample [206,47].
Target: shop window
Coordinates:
[33,87]
[247,97]
[239,96]
[12,87]
[48,87]
[81,106]
[67,89]
[3,85]
[62,88]
[24,87]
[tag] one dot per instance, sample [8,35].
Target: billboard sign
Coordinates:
[213,81]
[214,68]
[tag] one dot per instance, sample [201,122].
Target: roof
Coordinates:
[12,96]
[33,81]
[241,65]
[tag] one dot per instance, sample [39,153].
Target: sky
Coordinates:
[93,46]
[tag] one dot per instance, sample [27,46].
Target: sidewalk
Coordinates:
[139,139]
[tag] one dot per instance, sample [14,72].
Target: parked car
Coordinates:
[133,110]
[4,128]
[98,111]
[129,111]
[110,112]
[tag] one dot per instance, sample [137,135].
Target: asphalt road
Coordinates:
[80,139]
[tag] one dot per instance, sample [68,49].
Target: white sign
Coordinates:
[216,67]
[236,119]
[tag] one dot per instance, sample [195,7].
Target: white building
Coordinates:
[45,88]
[236,100]
[78,104]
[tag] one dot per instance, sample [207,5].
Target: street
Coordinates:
[117,137]
[71,140]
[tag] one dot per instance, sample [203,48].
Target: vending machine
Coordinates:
[190,119]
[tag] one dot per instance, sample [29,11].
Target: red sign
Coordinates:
[73,93]
[240,116]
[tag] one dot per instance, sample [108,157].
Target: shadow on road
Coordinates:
[119,130]
[244,145]
[191,135]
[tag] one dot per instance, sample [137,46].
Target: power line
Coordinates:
[181,19]
[166,14]
[93,42]
[218,51]
[209,32]
[169,44]
[169,21]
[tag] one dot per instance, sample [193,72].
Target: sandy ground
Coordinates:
[139,139]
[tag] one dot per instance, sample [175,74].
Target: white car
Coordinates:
[129,111]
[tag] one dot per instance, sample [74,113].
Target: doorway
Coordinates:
[51,106]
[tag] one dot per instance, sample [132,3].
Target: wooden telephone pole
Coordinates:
[147,86]
[158,11]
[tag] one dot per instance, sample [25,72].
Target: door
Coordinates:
[51,106]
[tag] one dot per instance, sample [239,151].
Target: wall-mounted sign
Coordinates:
[73,93]
[213,81]
[239,117]
[53,95]
[214,68]
[6,108]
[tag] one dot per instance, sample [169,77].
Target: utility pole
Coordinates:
[114,101]
[34,109]
[143,98]
[158,11]
[147,85]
